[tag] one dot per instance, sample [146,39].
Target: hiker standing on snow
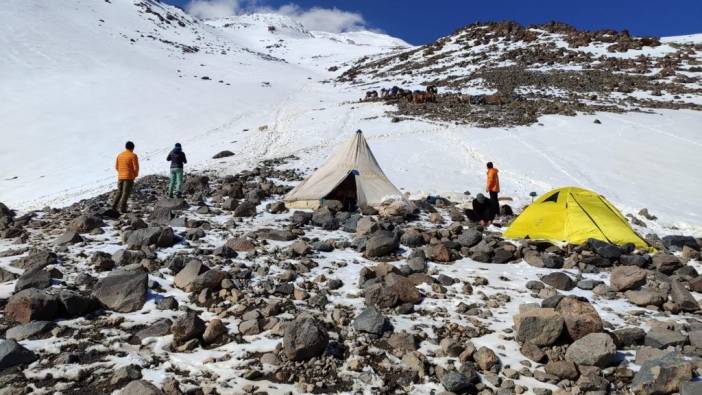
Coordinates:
[177,159]
[127,166]
[493,188]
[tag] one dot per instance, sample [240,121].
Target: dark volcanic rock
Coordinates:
[188,326]
[382,243]
[371,321]
[122,291]
[304,338]
[13,354]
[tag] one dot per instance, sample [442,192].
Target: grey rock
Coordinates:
[691,388]
[188,326]
[371,321]
[662,376]
[185,277]
[13,354]
[36,259]
[38,279]
[161,327]
[559,280]
[68,237]
[382,243]
[140,387]
[161,237]
[457,383]
[539,326]
[676,242]
[122,291]
[660,337]
[682,297]
[211,279]
[27,331]
[75,304]
[595,349]
[125,373]
[469,238]
[246,208]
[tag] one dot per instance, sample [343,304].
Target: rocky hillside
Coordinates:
[227,292]
[543,69]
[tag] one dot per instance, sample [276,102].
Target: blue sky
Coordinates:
[423,21]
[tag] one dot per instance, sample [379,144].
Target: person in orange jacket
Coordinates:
[127,166]
[493,188]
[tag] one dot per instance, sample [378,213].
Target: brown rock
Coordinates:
[579,316]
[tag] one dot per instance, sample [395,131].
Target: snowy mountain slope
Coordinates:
[97,73]
[78,87]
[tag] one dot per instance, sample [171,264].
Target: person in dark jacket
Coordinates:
[482,210]
[177,159]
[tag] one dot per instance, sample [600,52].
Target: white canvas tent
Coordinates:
[350,174]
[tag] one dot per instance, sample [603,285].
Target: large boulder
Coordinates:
[595,349]
[559,280]
[662,375]
[542,327]
[579,316]
[13,354]
[122,291]
[30,305]
[382,243]
[304,338]
[624,278]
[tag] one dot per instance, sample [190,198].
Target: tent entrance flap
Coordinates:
[346,192]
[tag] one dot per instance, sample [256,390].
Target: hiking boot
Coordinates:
[179,195]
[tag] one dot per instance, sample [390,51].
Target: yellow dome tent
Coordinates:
[574,215]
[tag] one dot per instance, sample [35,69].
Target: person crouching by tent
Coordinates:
[493,188]
[482,210]
[177,159]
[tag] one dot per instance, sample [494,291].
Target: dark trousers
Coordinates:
[124,189]
[494,204]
